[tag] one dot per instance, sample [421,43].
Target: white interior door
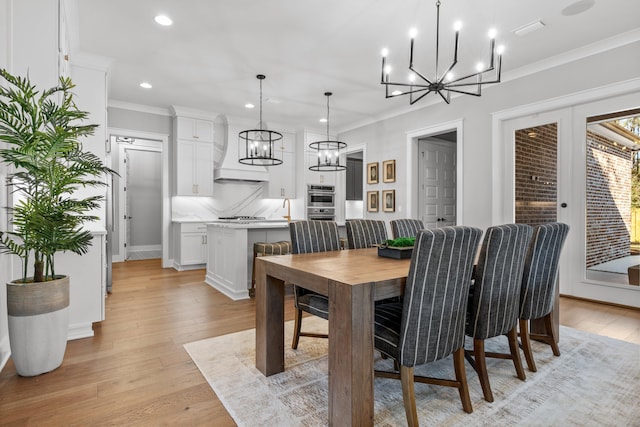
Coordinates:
[140,170]
[437,183]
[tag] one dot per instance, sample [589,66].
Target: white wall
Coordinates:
[387,139]
[5,264]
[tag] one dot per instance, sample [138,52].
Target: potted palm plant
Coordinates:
[40,133]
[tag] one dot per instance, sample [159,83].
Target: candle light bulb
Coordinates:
[387,69]
[413,32]
[500,49]
[479,66]
[385,52]
[492,33]
[457,26]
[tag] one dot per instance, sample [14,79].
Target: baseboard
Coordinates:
[84,330]
[231,293]
[5,352]
[613,304]
[144,248]
[180,267]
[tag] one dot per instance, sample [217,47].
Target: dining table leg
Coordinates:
[350,354]
[269,322]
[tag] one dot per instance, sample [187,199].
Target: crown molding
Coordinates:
[122,105]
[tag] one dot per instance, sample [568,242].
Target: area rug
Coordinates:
[595,382]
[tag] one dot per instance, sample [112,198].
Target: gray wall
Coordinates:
[386,139]
[136,120]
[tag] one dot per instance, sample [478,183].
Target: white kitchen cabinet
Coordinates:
[311,158]
[194,129]
[194,157]
[282,178]
[191,250]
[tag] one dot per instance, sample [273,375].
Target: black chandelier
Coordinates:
[445,82]
[259,144]
[328,151]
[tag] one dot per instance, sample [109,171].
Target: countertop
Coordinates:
[275,223]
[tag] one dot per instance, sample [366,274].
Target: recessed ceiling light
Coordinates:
[163,20]
[529,28]
[146,85]
[578,7]
[323,120]
[249,105]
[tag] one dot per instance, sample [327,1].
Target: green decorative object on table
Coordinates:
[400,248]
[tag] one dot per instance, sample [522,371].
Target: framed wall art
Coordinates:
[389,200]
[372,173]
[372,201]
[389,171]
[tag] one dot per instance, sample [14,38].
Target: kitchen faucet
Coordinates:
[288,215]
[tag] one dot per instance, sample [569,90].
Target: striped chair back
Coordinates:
[314,236]
[406,227]
[541,270]
[435,296]
[494,306]
[363,233]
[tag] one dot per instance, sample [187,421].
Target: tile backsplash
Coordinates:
[230,199]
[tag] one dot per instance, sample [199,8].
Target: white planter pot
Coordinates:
[38,325]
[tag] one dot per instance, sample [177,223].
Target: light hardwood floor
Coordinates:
[136,372]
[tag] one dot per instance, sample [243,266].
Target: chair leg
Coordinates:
[252,291]
[548,323]
[512,335]
[409,395]
[481,368]
[526,345]
[296,329]
[461,377]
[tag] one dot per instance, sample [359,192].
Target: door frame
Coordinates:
[166,200]
[412,162]
[580,105]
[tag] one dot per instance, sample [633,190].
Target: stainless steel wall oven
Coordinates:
[321,202]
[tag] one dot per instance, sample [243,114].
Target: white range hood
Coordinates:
[226,137]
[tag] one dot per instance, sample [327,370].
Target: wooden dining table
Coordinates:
[352,280]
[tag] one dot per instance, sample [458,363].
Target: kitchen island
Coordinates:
[230,252]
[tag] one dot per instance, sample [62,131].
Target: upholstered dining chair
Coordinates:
[310,237]
[539,283]
[363,233]
[494,299]
[406,227]
[429,323]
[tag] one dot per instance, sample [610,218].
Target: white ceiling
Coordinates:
[209,58]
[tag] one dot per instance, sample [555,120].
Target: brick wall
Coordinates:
[608,200]
[536,174]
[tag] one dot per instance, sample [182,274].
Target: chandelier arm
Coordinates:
[444,75]
[477,93]
[407,84]
[413,101]
[468,76]
[422,76]
[447,98]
